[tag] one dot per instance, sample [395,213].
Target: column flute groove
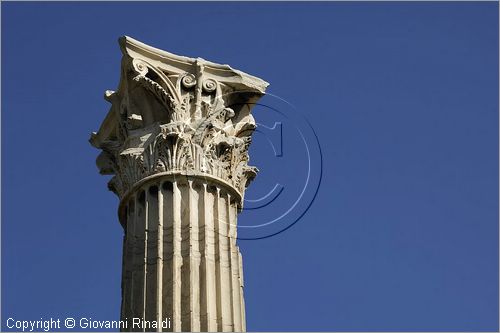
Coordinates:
[167,292]
[194,259]
[235,285]
[204,316]
[177,259]
[186,260]
[159,262]
[144,245]
[218,269]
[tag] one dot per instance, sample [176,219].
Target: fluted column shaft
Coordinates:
[181,264]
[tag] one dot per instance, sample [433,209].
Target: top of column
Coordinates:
[178,115]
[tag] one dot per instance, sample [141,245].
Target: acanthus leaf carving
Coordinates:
[178,121]
[158,91]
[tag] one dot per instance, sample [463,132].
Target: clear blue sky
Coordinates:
[403,233]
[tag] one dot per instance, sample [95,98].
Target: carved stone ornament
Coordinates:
[179,116]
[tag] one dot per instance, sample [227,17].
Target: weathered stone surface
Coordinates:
[176,141]
[177,115]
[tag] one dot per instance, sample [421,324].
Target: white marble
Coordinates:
[176,141]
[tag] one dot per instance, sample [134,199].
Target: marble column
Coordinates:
[176,141]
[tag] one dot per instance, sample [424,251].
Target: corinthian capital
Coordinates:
[174,115]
